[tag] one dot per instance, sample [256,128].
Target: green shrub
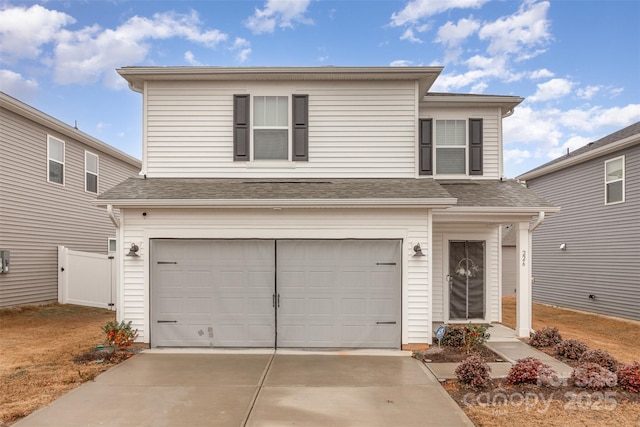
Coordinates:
[593,376]
[600,357]
[571,349]
[629,377]
[119,335]
[545,337]
[474,372]
[468,336]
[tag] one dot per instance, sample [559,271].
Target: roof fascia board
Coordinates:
[506,103]
[49,122]
[261,203]
[491,210]
[581,158]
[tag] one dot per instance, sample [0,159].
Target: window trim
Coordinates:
[97,173]
[49,159]
[606,183]
[252,128]
[435,149]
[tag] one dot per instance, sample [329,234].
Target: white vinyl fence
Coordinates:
[86,279]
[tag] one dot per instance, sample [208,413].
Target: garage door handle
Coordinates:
[167,321]
[385,323]
[278,300]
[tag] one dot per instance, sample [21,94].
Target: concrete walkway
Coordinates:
[257,390]
[504,343]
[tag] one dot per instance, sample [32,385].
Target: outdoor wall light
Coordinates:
[133,250]
[563,246]
[417,251]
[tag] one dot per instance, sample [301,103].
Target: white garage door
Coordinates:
[285,293]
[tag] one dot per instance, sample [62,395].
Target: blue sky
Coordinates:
[577,63]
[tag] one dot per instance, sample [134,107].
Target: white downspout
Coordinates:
[538,222]
[112,216]
[532,228]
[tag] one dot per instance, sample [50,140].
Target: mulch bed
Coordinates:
[446,354]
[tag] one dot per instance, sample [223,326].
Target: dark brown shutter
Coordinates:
[426,147]
[475,146]
[300,108]
[241,129]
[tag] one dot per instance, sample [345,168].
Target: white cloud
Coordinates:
[453,35]
[573,143]
[410,36]
[242,47]
[90,54]
[17,86]
[191,58]
[540,74]
[527,28]
[516,156]
[553,89]
[23,31]
[281,13]
[417,10]
[400,63]
[479,87]
[588,92]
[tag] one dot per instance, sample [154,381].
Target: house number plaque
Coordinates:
[524,258]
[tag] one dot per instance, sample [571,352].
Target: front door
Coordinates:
[466,280]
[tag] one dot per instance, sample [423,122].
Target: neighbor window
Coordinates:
[614,180]
[451,147]
[55,164]
[90,172]
[270,128]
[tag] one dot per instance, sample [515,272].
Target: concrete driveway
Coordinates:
[157,389]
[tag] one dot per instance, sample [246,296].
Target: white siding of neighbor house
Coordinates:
[444,232]
[356,129]
[603,250]
[411,225]
[37,216]
[492,130]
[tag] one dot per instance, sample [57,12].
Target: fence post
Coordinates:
[62,277]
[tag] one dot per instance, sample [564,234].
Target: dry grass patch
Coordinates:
[37,347]
[621,338]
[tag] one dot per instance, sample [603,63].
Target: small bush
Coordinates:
[120,335]
[468,336]
[545,337]
[629,377]
[571,349]
[593,376]
[530,370]
[473,372]
[600,357]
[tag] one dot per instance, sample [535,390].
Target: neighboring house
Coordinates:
[588,256]
[509,262]
[315,207]
[49,174]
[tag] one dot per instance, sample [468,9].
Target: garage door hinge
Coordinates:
[167,262]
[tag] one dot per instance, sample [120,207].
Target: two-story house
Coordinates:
[315,207]
[588,257]
[49,174]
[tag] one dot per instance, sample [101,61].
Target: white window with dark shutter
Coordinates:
[614,180]
[270,128]
[90,172]
[450,147]
[55,160]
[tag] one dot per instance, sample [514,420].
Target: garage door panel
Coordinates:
[334,292]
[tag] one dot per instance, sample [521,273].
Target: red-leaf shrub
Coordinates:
[571,349]
[473,372]
[629,377]
[593,376]
[600,357]
[545,337]
[530,370]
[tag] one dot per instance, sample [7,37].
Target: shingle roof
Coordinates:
[274,189]
[505,194]
[631,130]
[508,194]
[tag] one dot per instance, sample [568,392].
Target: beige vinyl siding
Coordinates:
[603,254]
[409,225]
[491,129]
[356,129]
[442,233]
[36,216]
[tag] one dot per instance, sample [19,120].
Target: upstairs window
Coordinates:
[614,180]
[55,162]
[270,128]
[455,147]
[90,172]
